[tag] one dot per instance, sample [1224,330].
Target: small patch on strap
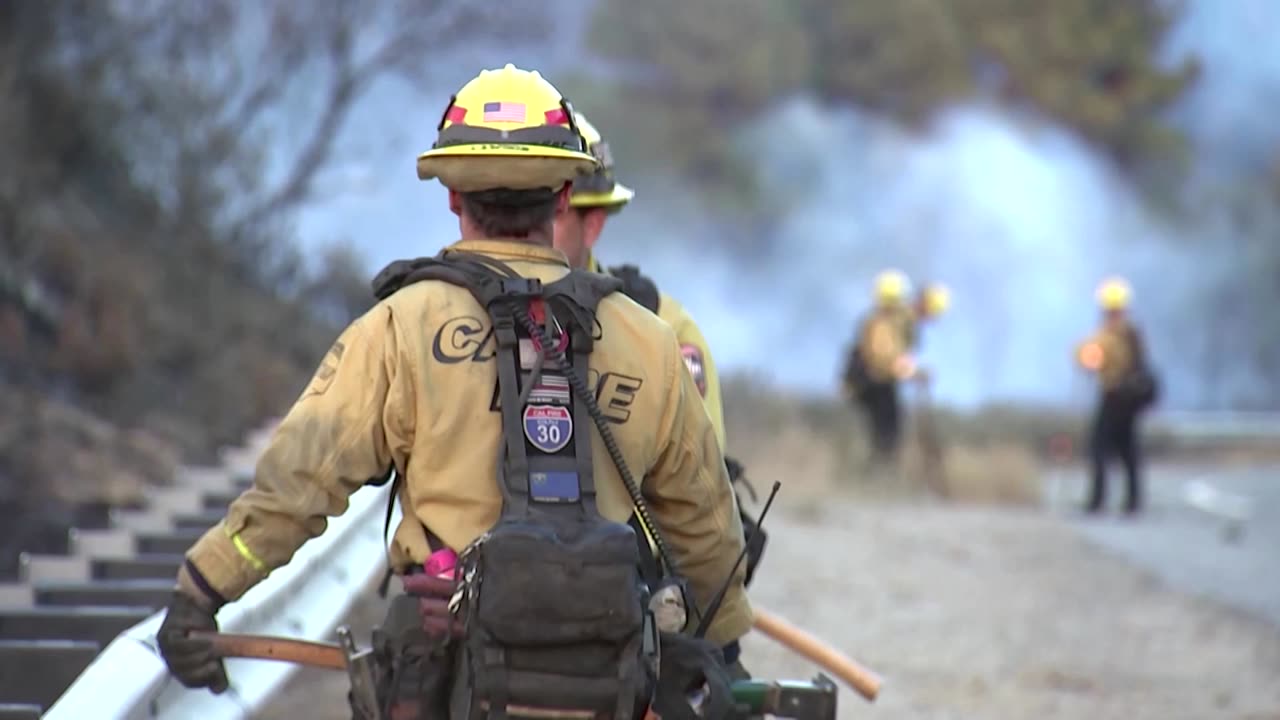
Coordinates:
[550,390]
[529,348]
[548,427]
[554,487]
[693,360]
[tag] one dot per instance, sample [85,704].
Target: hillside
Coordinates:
[134,329]
[154,303]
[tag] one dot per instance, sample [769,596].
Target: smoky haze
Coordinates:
[1020,219]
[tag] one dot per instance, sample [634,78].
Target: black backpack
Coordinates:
[1140,387]
[644,291]
[856,374]
[554,599]
[638,286]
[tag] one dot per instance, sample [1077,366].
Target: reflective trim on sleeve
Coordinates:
[245,552]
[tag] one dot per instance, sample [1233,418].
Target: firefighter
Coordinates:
[881,357]
[1116,355]
[596,197]
[932,301]
[410,387]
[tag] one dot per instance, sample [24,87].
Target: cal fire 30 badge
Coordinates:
[693,359]
[548,427]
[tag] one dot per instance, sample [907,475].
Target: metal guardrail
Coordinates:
[130,569]
[306,599]
[1218,425]
[66,608]
[110,588]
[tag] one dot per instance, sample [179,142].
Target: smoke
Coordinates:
[1019,218]
[1021,222]
[1229,112]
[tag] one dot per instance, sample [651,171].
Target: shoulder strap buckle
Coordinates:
[519,287]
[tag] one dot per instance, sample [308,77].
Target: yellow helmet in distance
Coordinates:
[599,189]
[507,128]
[892,287]
[1114,293]
[935,298]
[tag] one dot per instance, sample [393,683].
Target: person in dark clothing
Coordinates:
[882,357]
[1114,435]
[1117,356]
[882,406]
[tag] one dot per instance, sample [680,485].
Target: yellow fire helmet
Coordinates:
[1114,293]
[598,189]
[935,299]
[507,128]
[892,287]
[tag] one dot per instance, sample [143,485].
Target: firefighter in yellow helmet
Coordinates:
[1116,355]
[597,196]
[882,355]
[930,301]
[463,383]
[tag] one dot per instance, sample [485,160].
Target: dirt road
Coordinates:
[984,613]
[1196,551]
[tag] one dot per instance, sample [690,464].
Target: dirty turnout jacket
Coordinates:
[411,384]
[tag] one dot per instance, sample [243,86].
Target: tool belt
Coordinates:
[414,652]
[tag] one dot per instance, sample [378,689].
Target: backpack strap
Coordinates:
[546,464]
[531,429]
[572,299]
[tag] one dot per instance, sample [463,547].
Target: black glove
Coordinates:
[688,663]
[733,661]
[191,661]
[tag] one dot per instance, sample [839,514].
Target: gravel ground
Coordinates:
[976,613]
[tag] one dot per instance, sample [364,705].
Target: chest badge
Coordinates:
[548,427]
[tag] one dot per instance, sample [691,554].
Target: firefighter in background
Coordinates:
[595,198]
[1116,355]
[882,356]
[932,300]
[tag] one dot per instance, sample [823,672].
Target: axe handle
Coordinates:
[330,656]
[265,647]
[865,682]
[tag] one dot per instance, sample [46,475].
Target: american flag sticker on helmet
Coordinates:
[693,360]
[504,112]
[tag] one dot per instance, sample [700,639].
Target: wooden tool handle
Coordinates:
[266,647]
[330,656]
[862,680]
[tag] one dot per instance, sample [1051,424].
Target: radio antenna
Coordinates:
[718,600]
